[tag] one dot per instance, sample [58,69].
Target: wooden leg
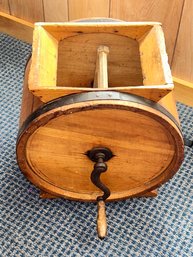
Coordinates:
[152,193]
[45,195]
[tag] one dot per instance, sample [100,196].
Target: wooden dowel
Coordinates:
[101,72]
[101,220]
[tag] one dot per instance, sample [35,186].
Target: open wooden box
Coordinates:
[64,58]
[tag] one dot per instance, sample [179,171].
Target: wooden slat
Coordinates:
[68,29]
[56,10]
[154,61]
[16,27]
[79,54]
[4,6]
[154,93]
[166,12]
[44,59]
[183,91]
[27,9]
[182,66]
[86,8]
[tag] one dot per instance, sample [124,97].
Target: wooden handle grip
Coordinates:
[101,220]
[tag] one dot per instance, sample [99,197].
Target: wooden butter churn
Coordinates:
[98,119]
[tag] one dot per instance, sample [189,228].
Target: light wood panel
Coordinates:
[68,29]
[56,10]
[27,9]
[183,91]
[153,92]
[4,6]
[182,66]
[166,12]
[44,58]
[154,59]
[29,102]
[86,8]
[16,27]
[77,60]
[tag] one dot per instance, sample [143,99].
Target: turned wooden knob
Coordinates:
[101,220]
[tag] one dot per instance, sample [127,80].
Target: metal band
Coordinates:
[95,96]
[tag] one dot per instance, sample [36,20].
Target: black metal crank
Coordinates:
[100,155]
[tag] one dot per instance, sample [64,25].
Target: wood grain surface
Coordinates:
[29,102]
[86,9]
[4,6]
[148,149]
[183,91]
[28,10]
[166,12]
[153,92]
[154,60]
[101,69]
[67,167]
[56,10]
[77,60]
[16,27]
[183,58]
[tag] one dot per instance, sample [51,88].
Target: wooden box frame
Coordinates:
[157,79]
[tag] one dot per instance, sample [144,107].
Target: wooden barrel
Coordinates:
[55,137]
